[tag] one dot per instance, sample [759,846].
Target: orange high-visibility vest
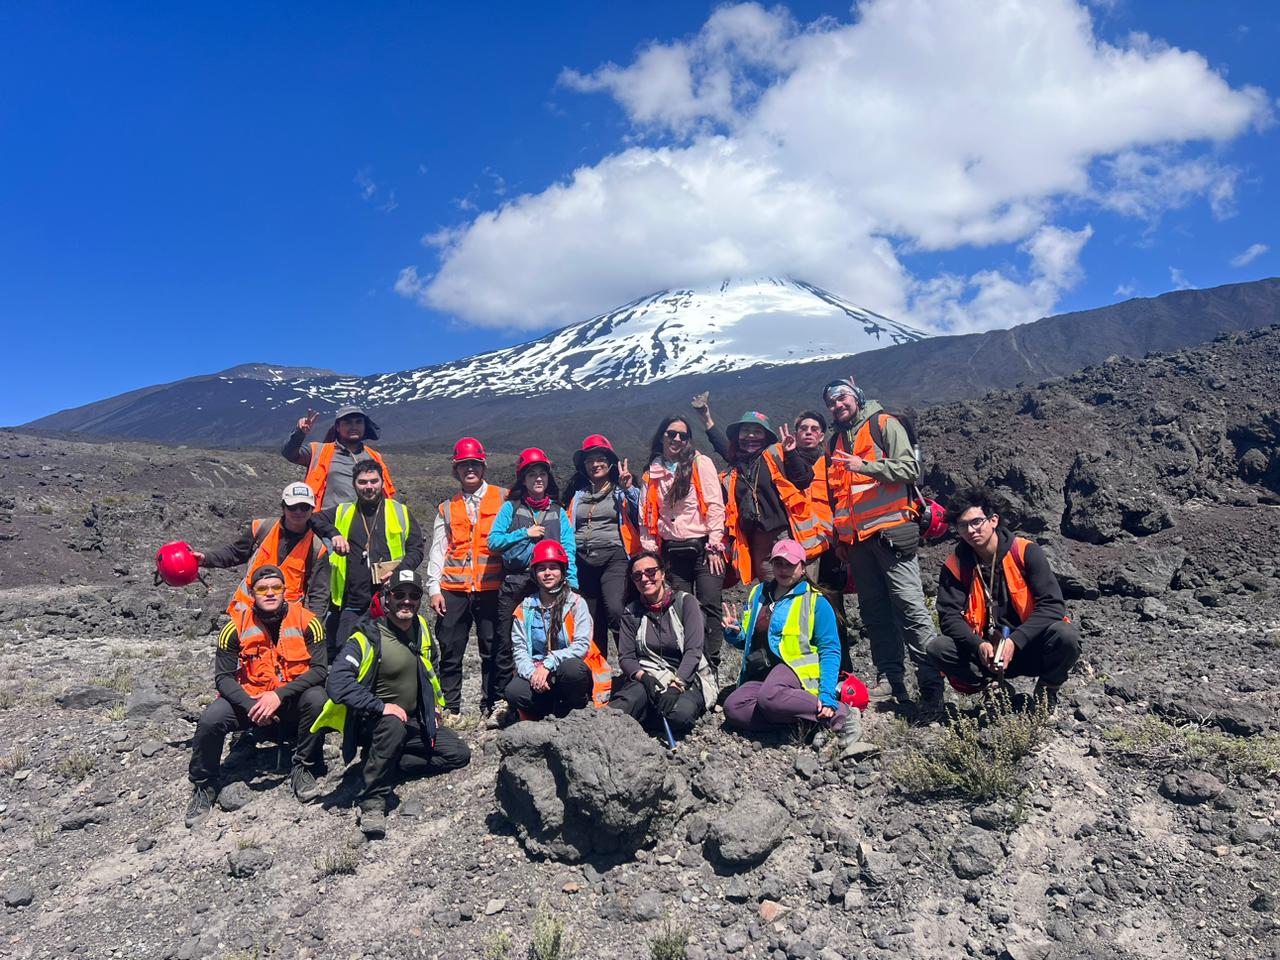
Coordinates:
[265,665]
[318,470]
[864,505]
[630,533]
[804,524]
[652,506]
[819,504]
[601,673]
[469,567]
[975,611]
[294,566]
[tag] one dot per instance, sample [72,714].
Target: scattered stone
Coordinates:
[735,941]
[877,869]
[717,783]
[144,702]
[150,748]
[975,853]
[1192,787]
[570,887]
[82,697]
[82,818]
[771,911]
[19,894]
[739,890]
[807,766]
[1240,719]
[248,862]
[234,796]
[745,834]
[648,906]
[494,906]
[144,844]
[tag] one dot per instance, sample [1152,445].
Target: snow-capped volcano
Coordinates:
[727,326]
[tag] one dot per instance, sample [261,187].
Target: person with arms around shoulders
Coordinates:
[682,518]
[557,665]
[1000,606]
[872,474]
[791,654]
[603,504]
[385,699]
[372,538]
[660,651]
[464,576]
[269,668]
[287,543]
[331,463]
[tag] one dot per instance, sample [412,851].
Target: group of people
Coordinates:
[328,628]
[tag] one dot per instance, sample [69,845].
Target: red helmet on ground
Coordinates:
[528,457]
[547,551]
[176,565]
[853,693]
[935,517]
[468,448]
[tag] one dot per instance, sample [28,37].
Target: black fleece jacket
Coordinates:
[241,550]
[359,585]
[754,476]
[953,596]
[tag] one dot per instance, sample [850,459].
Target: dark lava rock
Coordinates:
[247,862]
[82,818]
[1241,719]
[81,697]
[975,853]
[18,894]
[592,783]
[1192,787]
[648,906]
[144,702]
[1146,574]
[716,782]
[746,833]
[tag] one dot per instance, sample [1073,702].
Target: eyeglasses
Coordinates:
[808,428]
[972,524]
[677,434]
[406,595]
[648,573]
[262,590]
[297,507]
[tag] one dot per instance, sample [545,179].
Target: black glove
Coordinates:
[668,699]
[650,687]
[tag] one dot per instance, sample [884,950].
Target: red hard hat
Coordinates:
[468,448]
[853,693]
[547,551]
[528,457]
[597,440]
[176,565]
[936,515]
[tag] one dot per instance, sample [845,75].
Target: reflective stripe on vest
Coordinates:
[265,665]
[652,504]
[795,640]
[395,521]
[819,504]
[468,566]
[975,611]
[294,566]
[318,470]
[601,672]
[629,532]
[864,505]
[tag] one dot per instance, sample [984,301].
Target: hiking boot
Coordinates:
[304,784]
[451,719]
[900,692]
[200,804]
[499,717]
[373,822]
[932,707]
[1046,694]
[850,734]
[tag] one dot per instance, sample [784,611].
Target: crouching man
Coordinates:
[270,668]
[1000,606]
[384,696]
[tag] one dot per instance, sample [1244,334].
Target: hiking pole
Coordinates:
[671,741]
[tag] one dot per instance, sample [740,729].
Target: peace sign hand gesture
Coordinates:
[850,460]
[624,475]
[787,437]
[731,617]
[306,423]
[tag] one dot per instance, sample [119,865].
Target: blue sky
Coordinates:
[187,189]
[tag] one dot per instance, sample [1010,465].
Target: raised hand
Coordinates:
[787,437]
[702,403]
[850,460]
[306,423]
[624,475]
[731,617]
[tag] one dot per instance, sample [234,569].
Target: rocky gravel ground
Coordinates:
[1142,821]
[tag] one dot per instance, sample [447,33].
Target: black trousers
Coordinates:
[339,624]
[633,699]
[510,595]
[602,582]
[393,747]
[221,718]
[691,573]
[1048,655]
[570,690]
[461,611]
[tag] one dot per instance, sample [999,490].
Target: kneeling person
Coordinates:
[270,668]
[998,585]
[558,666]
[384,696]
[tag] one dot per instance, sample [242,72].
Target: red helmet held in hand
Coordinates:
[549,551]
[853,693]
[468,448]
[176,565]
[934,515]
[528,457]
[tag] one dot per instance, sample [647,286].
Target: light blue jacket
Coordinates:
[825,637]
[501,537]
[529,636]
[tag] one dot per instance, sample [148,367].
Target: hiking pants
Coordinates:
[1048,656]
[510,595]
[393,747]
[461,610]
[570,690]
[891,601]
[690,573]
[633,699]
[221,718]
[602,582]
[779,700]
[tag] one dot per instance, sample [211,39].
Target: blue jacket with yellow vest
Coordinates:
[802,634]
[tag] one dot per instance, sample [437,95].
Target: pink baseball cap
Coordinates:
[788,550]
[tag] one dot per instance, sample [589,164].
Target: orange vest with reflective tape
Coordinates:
[803,523]
[630,533]
[975,611]
[819,504]
[294,566]
[469,567]
[601,673]
[863,505]
[318,470]
[265,665]
[652,505]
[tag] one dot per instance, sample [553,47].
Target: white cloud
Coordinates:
[1248,256]
[1179,280]
[364,180]
[826,151]
[1125,290]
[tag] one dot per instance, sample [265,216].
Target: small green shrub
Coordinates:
[1154,742]
[551,939]
[76,765]
[670,943]
[341,861]
[117,712]
[498,946]
[19,758]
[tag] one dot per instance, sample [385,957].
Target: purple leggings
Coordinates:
[778,700]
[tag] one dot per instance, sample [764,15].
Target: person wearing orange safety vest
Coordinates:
[463,578]
[871,476]
[557,665]
[603,503]
[1000,606]
[287,543]
[682,517]
[330,463]
[270,667]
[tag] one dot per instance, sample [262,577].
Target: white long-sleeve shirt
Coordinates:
[440,536]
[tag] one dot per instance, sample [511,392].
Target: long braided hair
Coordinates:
[559,606]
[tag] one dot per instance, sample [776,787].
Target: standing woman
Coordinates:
[682,518]
[603,504]
[531,514]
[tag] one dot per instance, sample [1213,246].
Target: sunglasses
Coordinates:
[298,507]
[262,590]
[406,595]
[677,434]
[468,465]
[649,573]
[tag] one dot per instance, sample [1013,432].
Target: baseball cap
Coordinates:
[788,550]
[264,572]
[296,493]
[406,578]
